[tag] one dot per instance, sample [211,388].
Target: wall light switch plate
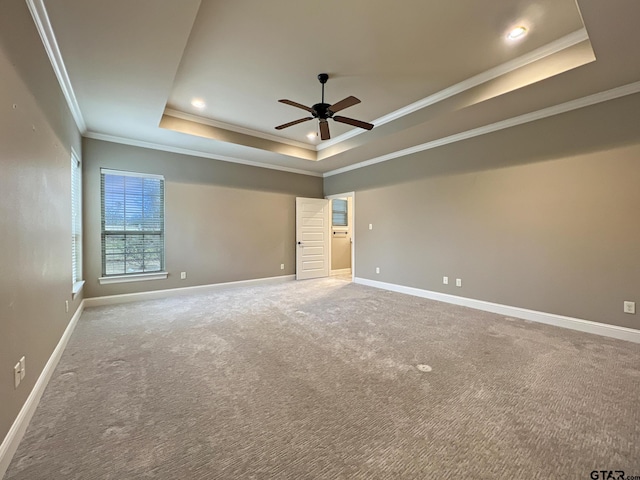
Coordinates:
[16,375]
[445,280]
[458,282]
[371,226]
[629,307]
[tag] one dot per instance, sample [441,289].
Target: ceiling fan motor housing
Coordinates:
[321,111]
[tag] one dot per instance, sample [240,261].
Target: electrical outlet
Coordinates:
[23,367]
[445,280]
[282,266]
[629,307]
[66,306]
[183,275]
[458,282]
[377,269]
[16,375]
[371,226]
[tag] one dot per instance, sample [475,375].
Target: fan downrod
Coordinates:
[321,110]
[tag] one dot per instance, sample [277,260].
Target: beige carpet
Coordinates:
[319,380]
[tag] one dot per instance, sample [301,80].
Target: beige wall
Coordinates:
[223,221]
[542,216]
[35,207]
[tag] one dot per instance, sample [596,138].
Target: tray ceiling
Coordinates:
[423,70]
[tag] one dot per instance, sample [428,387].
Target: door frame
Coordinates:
[353,230]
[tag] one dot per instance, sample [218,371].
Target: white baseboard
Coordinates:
[614,331]
[16,432]
[173,292]
[341,271]
[12,440]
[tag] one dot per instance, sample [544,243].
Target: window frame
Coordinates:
[76,224]
[104,233]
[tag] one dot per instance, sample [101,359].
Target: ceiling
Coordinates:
[427,72]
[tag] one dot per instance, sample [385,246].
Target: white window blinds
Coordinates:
[76,219]
[132,223]
[339,212]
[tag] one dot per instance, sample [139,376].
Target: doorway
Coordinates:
[342,233]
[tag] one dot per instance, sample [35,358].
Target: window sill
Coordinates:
[76,289]
[138,277]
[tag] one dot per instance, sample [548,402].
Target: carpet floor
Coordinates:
[325,379]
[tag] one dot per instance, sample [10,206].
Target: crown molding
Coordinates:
[600,97]
[546,50]
[194,153]
[235,128]
[43,25]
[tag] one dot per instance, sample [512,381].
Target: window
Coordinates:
[132,223]
[76,223]
[339,212]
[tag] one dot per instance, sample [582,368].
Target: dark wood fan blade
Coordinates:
[342,104]
[295,122]
[296,104]
[324,130]
[355,123]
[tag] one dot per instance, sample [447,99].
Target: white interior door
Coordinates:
[312,238]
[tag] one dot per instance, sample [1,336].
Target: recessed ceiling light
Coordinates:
[198,103]
[517,32]
[312,135]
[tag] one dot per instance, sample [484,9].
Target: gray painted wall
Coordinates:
[223,221]
[542,216]
[35,207]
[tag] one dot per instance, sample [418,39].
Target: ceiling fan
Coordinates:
[323,111]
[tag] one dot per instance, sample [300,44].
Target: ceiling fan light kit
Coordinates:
[324,111]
